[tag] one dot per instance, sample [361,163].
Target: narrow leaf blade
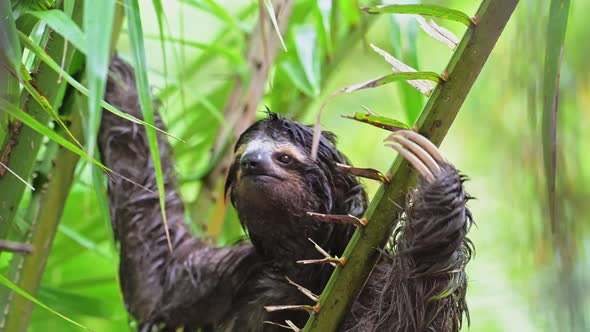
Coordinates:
[15,288]
[63,25]
[145,100]
[38,51]
[425,10]
[98,19]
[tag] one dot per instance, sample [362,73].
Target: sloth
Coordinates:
[418,284]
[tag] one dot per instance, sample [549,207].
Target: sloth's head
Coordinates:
[274,182]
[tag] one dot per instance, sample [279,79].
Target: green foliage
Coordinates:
[192,54]
[426,10]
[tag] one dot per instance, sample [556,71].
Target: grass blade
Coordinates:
[63,25]
[378,121]
[9,45]
[38,51]
[43,130]
[145,100]
[404,46]
[216,10]
[98,19]
[273,18]
[27,82]
[231,55]
[307,52]
[12,286]
[374,83]
[425,10]
[553,57]
[161,17]
[325,12]
[84,242]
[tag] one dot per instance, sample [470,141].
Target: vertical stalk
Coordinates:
[21,144]
[434,122]
[53,181]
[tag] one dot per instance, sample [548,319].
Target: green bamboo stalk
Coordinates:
[434,122]
[45,212]
[22,143]
[53,183]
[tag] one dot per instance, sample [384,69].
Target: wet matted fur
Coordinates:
[418,285]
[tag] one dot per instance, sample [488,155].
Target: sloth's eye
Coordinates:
[284,159]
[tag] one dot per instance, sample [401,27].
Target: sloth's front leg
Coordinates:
[420,283]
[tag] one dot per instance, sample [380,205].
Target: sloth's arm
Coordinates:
[420,285]
[195,284]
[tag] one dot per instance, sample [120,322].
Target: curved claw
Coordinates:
[419,152]
[423,142]
[415,161]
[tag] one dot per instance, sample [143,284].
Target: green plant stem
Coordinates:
[53,183]
[558,15]
[45,212]
[21,145]
[434,122]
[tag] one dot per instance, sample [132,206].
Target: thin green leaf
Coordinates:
[38,51]
[273,18]
[556,28]
[378,121]
[98,19]
[324,8]
[350,13]
[43,130]
[405,47]
[297,77]
[63,25]
[44,103]
[105,213]
[26,295]
[84,241]
[91,306]
[374,83]
[307,52]
[425,10]
[68,11]
[216,10]
[9,45]
[233,56]
[393,77]
[69,7]
[161,16]
[145,100]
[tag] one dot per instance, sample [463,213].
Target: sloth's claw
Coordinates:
[419,152]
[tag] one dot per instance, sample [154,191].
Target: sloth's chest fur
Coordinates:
[270,289]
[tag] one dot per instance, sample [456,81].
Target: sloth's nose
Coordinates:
[255,163]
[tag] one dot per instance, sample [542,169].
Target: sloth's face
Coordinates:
[263,161]
[270,176]
[274,183]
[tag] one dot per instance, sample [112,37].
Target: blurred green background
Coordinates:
[523,278]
